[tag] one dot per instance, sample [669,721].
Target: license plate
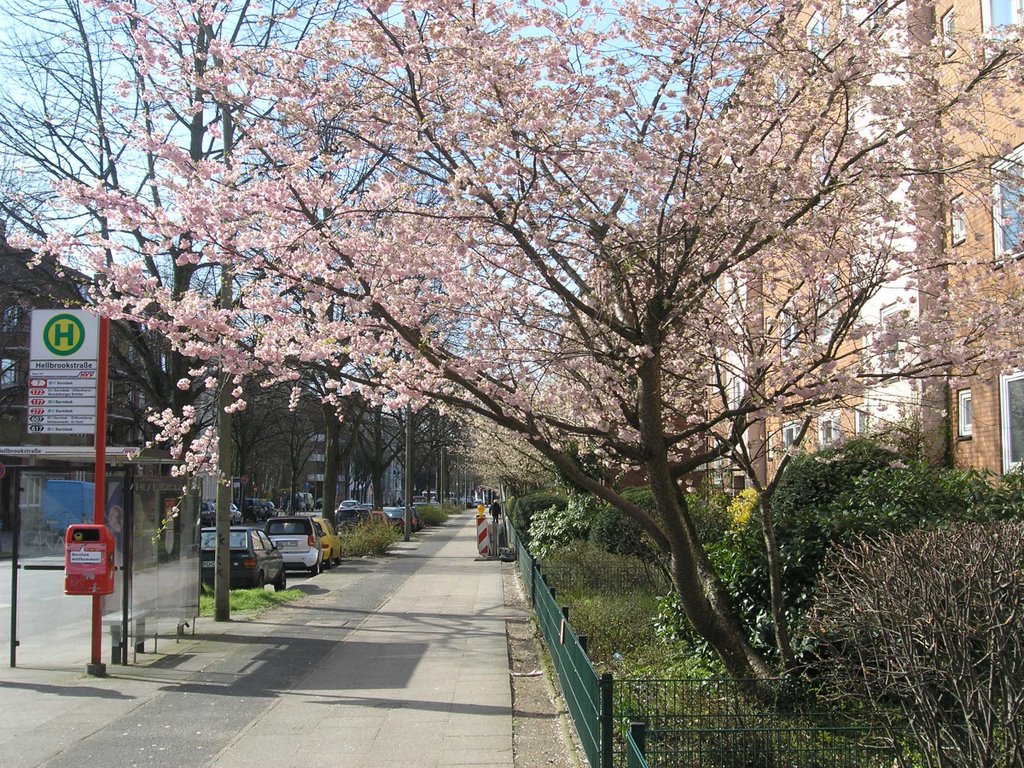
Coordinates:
[207,565]
[287,545]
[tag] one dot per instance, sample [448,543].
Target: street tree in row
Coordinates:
[574,222]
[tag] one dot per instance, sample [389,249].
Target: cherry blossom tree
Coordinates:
[576,222]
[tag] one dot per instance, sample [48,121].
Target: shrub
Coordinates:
[370,538]
[556,527]
[432,515]
[616,625]
[932,623]
[618,533]
[526,507]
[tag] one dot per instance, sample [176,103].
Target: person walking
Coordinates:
[499,531]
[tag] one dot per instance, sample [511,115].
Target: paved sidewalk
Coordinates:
[397,663]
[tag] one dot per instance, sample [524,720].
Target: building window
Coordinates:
[888,348]
[1012,417]
[828,310]
[734,394]
[787,331]
[965,416]
[828,429]
[8,372]
[817,28]
[1007,226]
[862,421]
[957,220]
[1000,13]
[948,33]
[790,434]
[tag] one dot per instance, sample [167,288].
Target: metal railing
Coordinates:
[588,696]
[771,745]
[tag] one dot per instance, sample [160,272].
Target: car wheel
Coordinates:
[281,583]
[316,567]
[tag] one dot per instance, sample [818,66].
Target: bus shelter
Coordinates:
[154,525]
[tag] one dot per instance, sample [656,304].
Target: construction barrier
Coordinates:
[483,544]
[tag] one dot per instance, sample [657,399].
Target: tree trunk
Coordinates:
[704,598]
[771,547]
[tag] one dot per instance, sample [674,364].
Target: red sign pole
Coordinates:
[99,503]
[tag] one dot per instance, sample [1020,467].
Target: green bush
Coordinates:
[829,499]
[431,515]
[370,538]
[807,514]
[526,507]
[557,527]
[616,625]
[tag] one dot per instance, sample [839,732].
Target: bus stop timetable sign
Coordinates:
[63,367]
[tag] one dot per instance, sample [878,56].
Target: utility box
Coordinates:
[88,560]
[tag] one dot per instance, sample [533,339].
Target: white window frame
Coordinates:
[735,392]
[790,434]
[957,220]
[889,358]
[830,432]
[816,29]
[862,420]
[828,309]
[1012,162]
[949,32]
[987,23]
[964,413]
[788,332]
[1005,417]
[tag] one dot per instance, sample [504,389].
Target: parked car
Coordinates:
[349,517]
[258,510]
[396,516]
[347,504]
[208,513]
[255,561]
[330,542]
[298,540]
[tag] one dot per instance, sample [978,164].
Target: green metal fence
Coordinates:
[764,747]
[587,695]
[717,723]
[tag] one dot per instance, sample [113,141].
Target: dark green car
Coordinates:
[255,561]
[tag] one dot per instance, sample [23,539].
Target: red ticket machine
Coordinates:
[88,560]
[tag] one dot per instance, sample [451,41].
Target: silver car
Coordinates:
[298,541]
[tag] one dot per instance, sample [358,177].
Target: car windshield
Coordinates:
[296,527]
[238,540]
